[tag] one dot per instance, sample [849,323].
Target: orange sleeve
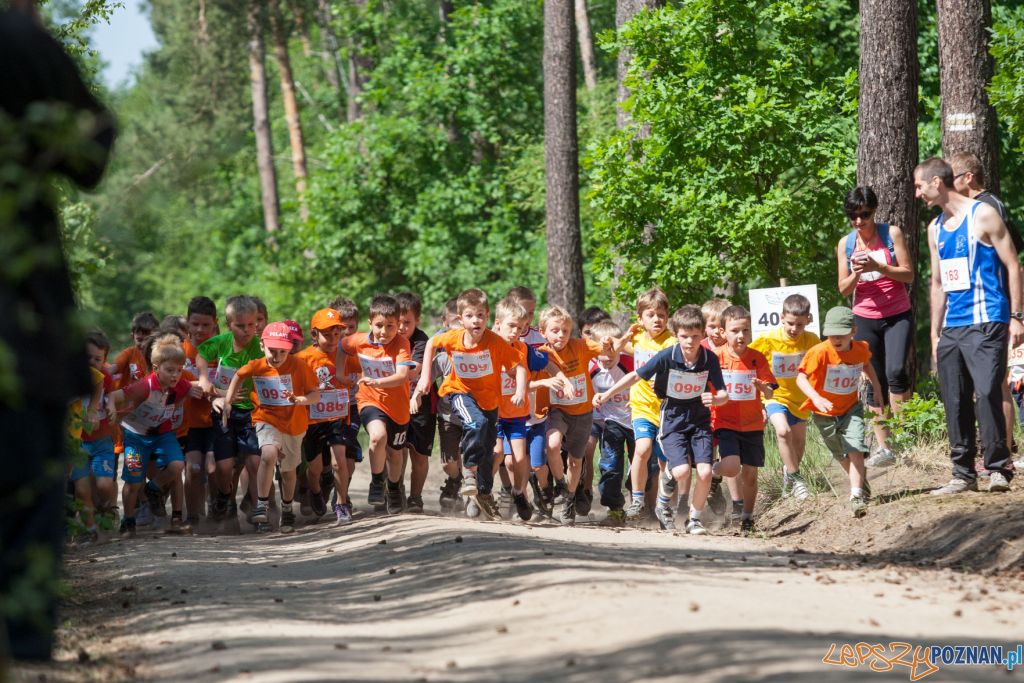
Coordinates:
[764,369]
[247,370]
[508,356]
[402,353]
[593,350]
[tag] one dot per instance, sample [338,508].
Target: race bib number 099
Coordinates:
[472,365]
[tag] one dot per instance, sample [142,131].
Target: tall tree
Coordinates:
[586,41]
[261,120]
[299,12]
[359,64]
[625,10]
[887,151]
[561,158]
[329,47]
[291,105]
[965,69]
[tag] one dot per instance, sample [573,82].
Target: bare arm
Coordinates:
[400,377]
[821,404]
[626,381]
[847,278]
[938,297]
[990,225]
[426,376]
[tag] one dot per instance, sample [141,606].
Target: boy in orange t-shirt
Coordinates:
[383,397]
[830,375]
[474,385]
[201,319]
[739,424]
[571,415]
[283,387]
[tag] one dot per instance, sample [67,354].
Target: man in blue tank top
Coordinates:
[975,311]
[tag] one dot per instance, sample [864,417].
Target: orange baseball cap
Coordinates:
[325,319]
[277,336]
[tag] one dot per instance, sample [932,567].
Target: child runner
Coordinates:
[201,318]
[97,438]
[739,424]
[449,425]
[785,347]
[349,313]
[324,443]
[714,339]
[130,365]
[477,357]
[830,376]
[419,440]
[689,379]
[148,432]
[383,397]
[234,443]
[84,414]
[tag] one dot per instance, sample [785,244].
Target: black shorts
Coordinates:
[200,439]
[319,439]
[748,445]
[450,436]
[396,432]
[353,449]
[238,440]
[420,436]
[686,444]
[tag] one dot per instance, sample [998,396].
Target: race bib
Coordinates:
[954,274]
[150,414]
[579,392]
[273,390]
[786,365]
[1016,356]
[178,416]
[843,379]
[878,256]
[333,404]
[376,368]
[641,357]
[190,367]
[222,376]
[472,365]
[686,385]
[739,384]
[508,384]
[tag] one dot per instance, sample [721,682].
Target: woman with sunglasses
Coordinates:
[875,268]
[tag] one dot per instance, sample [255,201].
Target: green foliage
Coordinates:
[743,145]
[1007,89]
[921,420]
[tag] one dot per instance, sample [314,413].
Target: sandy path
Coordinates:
[433,598]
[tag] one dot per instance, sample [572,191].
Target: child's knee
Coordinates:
[268,456]
[704,472]
[729,466]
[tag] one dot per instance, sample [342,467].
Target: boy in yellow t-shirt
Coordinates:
[643,341]
[784,347]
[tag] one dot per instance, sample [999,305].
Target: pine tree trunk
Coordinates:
[204,33]
[887,151]
[586,41]
[299,12]
[359,68]
[291,105]
[261,120]
[561,162]
[624,11]
[965,70]
[332,65]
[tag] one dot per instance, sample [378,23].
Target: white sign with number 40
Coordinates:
[766,308]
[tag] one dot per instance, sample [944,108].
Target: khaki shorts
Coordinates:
[289,445]
[843,434]
[575,430]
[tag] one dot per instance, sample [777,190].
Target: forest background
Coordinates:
[403,148]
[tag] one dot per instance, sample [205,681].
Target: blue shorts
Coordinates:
[163,449]
[537,444]
[510,428]
[775,408]
[101,460]
[645,429]
[687,444]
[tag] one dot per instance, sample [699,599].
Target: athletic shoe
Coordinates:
[375,496]
[393,502]
[487,505]
[787,483]
[505,498]
[179,526]
[979,466]
[955,486]
[523,507]
[260,514]
[716,498]
[218,508]
[799,488]
[561,491]
[997,483]
[155,498]
[262,527]
[584,501]
[287,520]
[665,516]
[615,518]
[858,506]
[468,487]
[143,515]
[635,510]
[568,515]
[232,512]
[414,504]
[746,527]
[192,521]
[737,511]
[1018,464]
[317,504]
[449,493]
[127,529]
[87,537]
[883,458]
[245,507]
[472,508]
[306,503]
[695,528]
[343,514]
[541,496]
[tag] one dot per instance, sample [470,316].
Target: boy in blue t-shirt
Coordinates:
[688,379]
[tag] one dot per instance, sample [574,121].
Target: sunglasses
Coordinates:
[860,214]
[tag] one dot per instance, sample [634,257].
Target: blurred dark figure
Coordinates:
[50,125]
